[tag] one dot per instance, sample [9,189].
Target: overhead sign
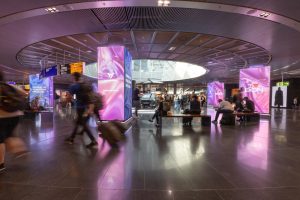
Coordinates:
[284,83]
[64,69]
[49,71]
[77,67]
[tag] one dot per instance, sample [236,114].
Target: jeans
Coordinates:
[222,111]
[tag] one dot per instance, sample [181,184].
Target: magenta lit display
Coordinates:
[215,91]
[111,82]
[255,84]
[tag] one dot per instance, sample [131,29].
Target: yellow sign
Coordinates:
[27,87]
[77,67]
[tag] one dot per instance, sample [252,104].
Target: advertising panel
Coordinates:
[41,88]
[279,96]
[128,86]
[215,91]
[255,84]
[111,81]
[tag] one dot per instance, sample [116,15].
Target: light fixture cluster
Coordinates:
[52,10]
[264,14]
[163,2]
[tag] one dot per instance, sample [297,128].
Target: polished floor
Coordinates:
[244,162]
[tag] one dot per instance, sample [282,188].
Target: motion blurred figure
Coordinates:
[10,111]
[84,107]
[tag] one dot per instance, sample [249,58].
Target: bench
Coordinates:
[229,118]
[205,119]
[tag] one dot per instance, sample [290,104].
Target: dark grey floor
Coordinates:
[260,162]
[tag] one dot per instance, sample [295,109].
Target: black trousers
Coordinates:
[82,121]
[222,111]
[156,116]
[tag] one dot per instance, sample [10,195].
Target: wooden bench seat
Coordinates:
[205,121]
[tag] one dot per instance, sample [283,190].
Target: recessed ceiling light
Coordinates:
[52,10]
[163,2]
[172,48]
[89,51]
[264,14]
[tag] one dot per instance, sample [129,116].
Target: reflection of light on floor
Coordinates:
[253,149]
[279,118]
[184,151]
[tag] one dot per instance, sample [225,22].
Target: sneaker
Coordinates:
[2,167]
[69,141]
[214,122]
[150,120]
[93,144]
[22,154]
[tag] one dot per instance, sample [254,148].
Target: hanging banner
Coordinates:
[255,84]
[215,91]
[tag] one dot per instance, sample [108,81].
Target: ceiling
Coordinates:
[223,36]
[213,52]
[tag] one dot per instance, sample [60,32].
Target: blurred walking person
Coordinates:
[12,103]
[84,108]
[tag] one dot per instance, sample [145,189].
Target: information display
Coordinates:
[255,84]
[111,81]
[64,69]
[41,88]
[279,96]
[215,91]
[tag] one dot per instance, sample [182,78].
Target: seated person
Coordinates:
[195,106]
[194,109]
[248,105]
[224,107]
[158,111]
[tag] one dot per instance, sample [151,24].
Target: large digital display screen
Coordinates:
[215,91]
[42,88]
[279,96]
[128,86]
[255,84]
[111,81]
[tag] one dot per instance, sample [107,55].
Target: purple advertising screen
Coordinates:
[215,91]
[111,81]
[41,88]
[255,84]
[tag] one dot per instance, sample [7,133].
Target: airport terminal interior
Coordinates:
[149,99]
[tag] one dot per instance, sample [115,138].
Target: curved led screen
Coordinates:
[156,71]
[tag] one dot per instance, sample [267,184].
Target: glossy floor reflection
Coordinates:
[254,161]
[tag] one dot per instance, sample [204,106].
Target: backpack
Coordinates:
[166,106]
[84,96]
[98,101]
[10,99]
